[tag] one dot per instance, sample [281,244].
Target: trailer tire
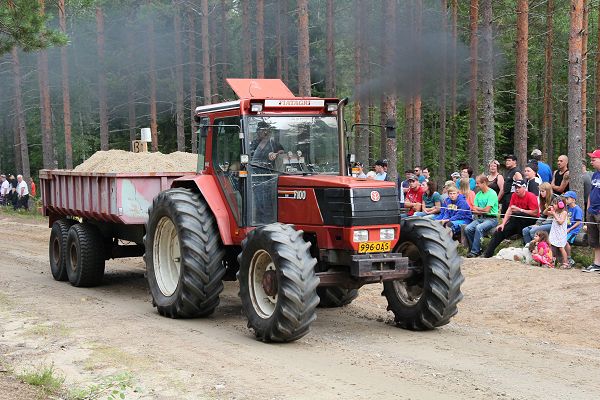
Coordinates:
[428,299]
[278,283]
[333,296]
[57,248]
[183,255]
[85,255]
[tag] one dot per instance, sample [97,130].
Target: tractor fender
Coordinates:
[208,187]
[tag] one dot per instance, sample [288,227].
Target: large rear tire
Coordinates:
[278,283]
[85,255]
[429,298]
[333,296]
[183,255]
[57,248]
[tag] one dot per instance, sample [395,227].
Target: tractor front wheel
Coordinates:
[278,283]
[429,298]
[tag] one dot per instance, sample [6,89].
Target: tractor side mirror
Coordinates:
[203,127]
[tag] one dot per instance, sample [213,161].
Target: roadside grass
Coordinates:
[112,387]
[32,213]
[45,377]
[49,330]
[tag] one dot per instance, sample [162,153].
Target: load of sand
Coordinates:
[120,161]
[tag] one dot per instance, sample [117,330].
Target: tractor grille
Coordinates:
[354,207]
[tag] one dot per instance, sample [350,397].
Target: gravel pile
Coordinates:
[120,161]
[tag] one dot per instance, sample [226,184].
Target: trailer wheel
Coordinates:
[278,283]
[85,255]
[332,296]
[58,248]
[429,298]
[183,255]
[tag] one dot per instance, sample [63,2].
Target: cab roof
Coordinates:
[260,88]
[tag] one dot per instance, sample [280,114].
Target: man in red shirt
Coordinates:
[522,211]
[413,199]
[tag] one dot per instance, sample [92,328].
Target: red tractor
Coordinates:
[274,207]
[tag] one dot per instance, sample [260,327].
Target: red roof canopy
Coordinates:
[260,88]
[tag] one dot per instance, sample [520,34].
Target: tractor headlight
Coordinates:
[386,234]
[361,236]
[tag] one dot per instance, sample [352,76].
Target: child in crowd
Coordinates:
[558,231]
[455,211]
[540,249]
[574,221]
[466,191]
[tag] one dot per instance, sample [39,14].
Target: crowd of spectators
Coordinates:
[16,192]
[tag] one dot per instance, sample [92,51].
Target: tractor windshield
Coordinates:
[294,144]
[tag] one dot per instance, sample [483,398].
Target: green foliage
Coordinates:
[45,377]
[113,387]
[23,25]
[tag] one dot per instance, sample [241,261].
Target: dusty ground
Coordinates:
[521,333]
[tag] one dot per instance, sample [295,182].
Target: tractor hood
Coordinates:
[331,181]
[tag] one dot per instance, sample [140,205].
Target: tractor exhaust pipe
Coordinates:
[341,136]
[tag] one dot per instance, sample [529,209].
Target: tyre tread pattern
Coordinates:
[59,272]
[333,296]
[91,254]
[442,290]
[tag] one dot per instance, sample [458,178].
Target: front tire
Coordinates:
[85,255]
[429,298]
[57,248]
[278,283]
[183,255]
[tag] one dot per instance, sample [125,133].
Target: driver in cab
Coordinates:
[264,148]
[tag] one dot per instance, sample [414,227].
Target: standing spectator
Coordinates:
[403,185]
[587,187]
[512,174]
[456,212]
[530,173]
[544,169]
[560,179]
[467,173]
[544,222]
[432,201]
[593,214]
[413,200]
[466,191]
[22,194]
[485,216]
[523,205]
[558,232]
[380,174]
[32,187]
[496,181]
[4,190]
[419,173]
[574,221]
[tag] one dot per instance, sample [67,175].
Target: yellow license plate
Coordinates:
[373,247]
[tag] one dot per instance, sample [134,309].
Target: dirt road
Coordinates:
[521,333]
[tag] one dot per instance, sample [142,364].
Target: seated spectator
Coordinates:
[485,216]
[444,194]
[455,176]
[371,175]
[523,205]
[467,173]
[574,221]
[531,179]
[358,171]
[380,170]
[455,212]
[413,200]
[432,201]
[465,190]
[419,173]
[544,222]
[403,185]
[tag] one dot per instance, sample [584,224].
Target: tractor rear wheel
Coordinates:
[85,255]
[333,296]
[429,298]
[183,255]
[57,248]
[278,283]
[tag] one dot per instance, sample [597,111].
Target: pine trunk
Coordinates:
[361,140]
[473,139]
[574,102]
[285,41]
[278,41]
[62,21]
[260,39]
[214,87]
[303,50]
[179,111]
[20,133]
[408,134]
[193,84]
[597,131]
[520,139]
[224,40]
[453,88]
[102,101]
[152,60]
[131,91]
[487,83]
[444,93]
[205,51]
[417,100]
[247,39]
[48,159]
[330,78]
[547,121]
[584,54]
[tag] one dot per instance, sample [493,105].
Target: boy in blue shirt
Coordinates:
[574,221]
[455,211]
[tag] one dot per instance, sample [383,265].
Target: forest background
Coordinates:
[462,81]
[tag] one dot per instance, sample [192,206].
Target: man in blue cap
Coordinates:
[574,221]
